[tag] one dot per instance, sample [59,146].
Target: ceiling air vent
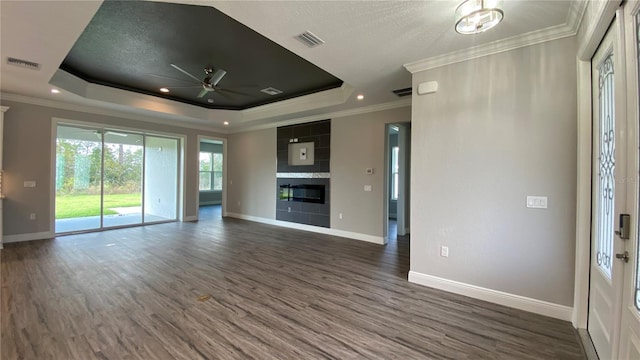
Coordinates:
[271,91]
[23,63]
[403,92]
[310,39]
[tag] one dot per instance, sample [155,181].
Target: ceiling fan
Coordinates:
[208,84]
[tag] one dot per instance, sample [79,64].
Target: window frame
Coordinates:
[211,173]
[395,171]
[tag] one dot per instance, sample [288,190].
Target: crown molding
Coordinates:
[569,28]
[330,115]
[602,14]
[577,10]
[120,114]
[4,108]
[106,112]
[189,112]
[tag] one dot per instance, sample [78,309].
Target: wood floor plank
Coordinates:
[272,293]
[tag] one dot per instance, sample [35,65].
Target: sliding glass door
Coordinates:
[109,178]
[78,179]
[160,179]
[122,192]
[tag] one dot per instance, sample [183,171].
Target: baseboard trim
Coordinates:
[540,307]
[7,239]
[189,218]
[317,229]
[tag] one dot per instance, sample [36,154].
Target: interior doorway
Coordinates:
[397,190]
[212,177]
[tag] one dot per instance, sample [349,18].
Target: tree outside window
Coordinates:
[210,171]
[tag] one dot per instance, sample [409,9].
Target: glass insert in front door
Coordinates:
[606,168]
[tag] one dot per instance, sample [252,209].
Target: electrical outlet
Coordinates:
[32,216]
[288,209]
[340,216]
[444,251]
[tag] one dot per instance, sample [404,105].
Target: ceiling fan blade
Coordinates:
[233,92]
[170,78]
[184,87]
[186,73]
[217,76]
[202,93]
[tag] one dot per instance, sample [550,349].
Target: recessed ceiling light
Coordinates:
[360,97]
[225,123]
[164,90]
[55,91]
[210,101]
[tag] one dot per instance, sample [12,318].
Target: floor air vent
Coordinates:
[310,39]
[23,63]
[403,92]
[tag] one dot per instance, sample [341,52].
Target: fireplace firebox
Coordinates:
[302,193]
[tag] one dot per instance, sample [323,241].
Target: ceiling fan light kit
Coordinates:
[476,16]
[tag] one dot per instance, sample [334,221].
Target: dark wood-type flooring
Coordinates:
[275,293]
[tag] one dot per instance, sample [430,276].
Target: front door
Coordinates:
[614,295]
[609,194]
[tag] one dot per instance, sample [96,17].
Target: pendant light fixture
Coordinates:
[476,16]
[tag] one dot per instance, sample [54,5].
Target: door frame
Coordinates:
[182,146]
[630,316]
[224,173]
[404,155]
[604,13]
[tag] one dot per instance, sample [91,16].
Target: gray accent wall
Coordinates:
[499,128]
[318,132]
[27,156]
[318,135]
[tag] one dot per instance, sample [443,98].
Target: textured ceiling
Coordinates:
[131,44]
[367,44]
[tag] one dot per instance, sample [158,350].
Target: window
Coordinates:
[394,172]
[210,171]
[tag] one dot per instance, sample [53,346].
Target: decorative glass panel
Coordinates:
[606,159]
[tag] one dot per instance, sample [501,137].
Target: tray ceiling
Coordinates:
[130,45]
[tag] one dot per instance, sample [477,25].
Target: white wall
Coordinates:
[251,177]
[499,128]
[357,143]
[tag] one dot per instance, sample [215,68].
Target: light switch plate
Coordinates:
[444,251]
[537,202]
[30,184]
[367,188]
